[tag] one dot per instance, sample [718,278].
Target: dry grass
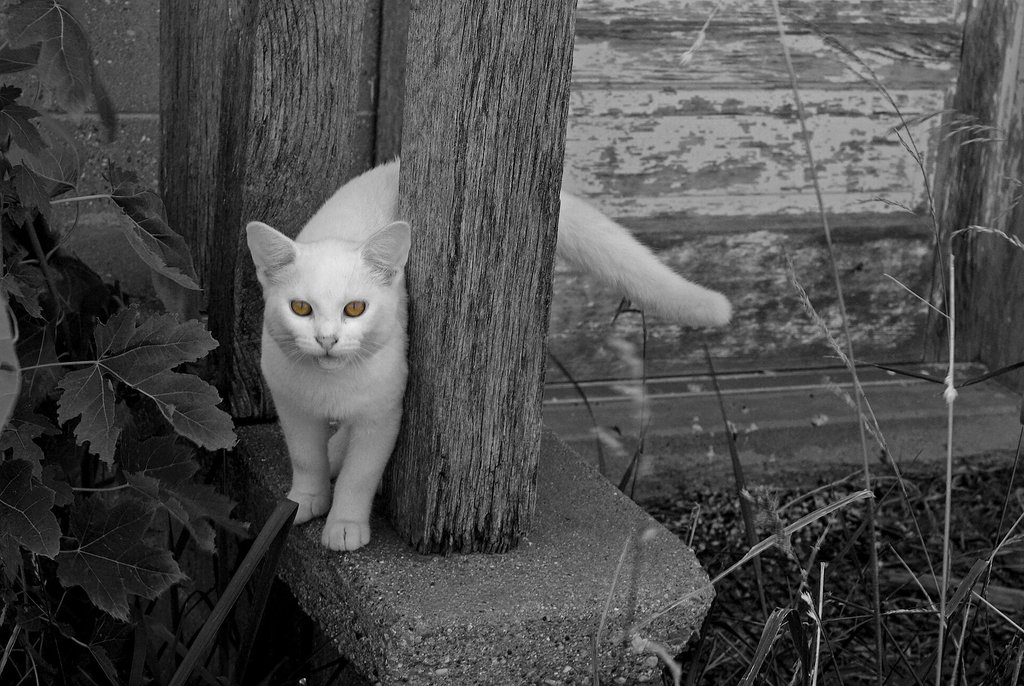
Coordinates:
[832,555]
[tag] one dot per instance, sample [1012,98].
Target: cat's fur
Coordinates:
[327,369]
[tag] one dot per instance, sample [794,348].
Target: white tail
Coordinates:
[591,242]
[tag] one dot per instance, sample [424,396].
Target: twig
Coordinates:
[81,198]
[51,281]
[806,138]
[950,395]
[602,466]
[107,489]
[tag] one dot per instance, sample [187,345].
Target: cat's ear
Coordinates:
[271,250]
[387,251]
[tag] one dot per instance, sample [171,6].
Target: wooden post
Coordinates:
[267,107]
[394,36]
[485,111]
[978,184]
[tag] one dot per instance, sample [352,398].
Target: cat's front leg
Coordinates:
[370,442]
[306,437]
[337,447]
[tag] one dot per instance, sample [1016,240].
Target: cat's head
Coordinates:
[332,302]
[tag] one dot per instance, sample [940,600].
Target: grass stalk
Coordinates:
[740,482]
[817,624]
[996,611]
[9,647]
[808,152]
[950,396]
[595,675]
[772,541]
[602,465]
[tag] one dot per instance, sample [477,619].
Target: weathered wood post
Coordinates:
[487,92]
[268,107]
[979,184]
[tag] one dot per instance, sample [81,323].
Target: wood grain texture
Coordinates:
[906,42]
[293,118]
[648,152]
[979,184]
[650,136]
[483,141]
[692,154]
[192,49]
[770,328]
[394,27]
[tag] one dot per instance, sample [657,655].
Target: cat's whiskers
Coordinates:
[288,345]
[358,357]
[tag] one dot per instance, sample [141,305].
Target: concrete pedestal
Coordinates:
[528,616]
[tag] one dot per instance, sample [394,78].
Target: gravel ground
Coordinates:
[988,496]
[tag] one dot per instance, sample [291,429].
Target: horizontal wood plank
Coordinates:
[770,327]
[905,42]
[645,151]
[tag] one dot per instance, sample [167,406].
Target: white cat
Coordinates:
[334,333]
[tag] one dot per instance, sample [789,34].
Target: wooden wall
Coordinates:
[704,161]
[701,159]
[979,185]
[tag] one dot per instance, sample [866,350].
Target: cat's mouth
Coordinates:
[330,362]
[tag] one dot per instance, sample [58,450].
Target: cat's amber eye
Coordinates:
[355,308]
[302,308]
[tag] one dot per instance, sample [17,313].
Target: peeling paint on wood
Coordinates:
[642,152]
[701,157]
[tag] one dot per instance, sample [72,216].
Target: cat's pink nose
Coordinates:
[327,342]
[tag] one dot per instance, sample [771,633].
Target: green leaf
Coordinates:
[26,509]
[58,163]
[161,458]
[149,234]
[10,557]
[33,190]
[769,635]
[141,355]
[161,471]
[112,560]
[10,371]
[190,405]
[65,58]
[36,349]
[18,59]
[16,122]
[137,350]
[87,394]
[24,284]
[20,433]
[56,481]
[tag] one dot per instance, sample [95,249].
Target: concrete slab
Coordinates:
[523,617]
[791,424]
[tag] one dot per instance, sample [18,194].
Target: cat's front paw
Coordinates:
[341,534]
[311,505]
